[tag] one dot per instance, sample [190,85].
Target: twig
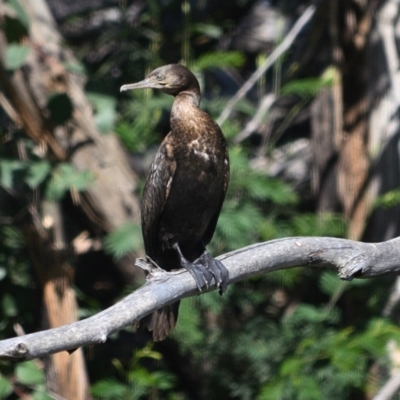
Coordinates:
[349,258]
[387,21]
[389,389]
[286,43]
[265,104]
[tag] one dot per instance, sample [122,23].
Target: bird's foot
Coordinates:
[217,269]
[201,275]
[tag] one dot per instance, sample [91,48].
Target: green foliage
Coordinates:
[388,200]
[250,192]
[309,87]
[137,381]
[210,30]
[125,239]
[28,373]
[16,55]
[104,111]
[37,172]
[65,178]
[20,12]
[143,114]
[8,169]
[220,59]
[110,389]
[57,179]
[329,364]
[6,387]
[28,377]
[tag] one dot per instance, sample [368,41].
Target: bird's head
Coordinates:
[172,79]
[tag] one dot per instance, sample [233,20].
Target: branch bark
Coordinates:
[351,259]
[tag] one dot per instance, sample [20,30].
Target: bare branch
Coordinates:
[387,19]
[349,258]
[389,389]
[286,43]
[264,106]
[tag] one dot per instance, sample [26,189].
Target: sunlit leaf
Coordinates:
[37,173]
[104,111]
[7,171]
[109,389]
[9,306]
[16,55]
[388,200]
[219,59]
[29,373]
[41,395]
[3,273]
[20,11]
[6,387]
[65,177]
[75,67]
[210,30]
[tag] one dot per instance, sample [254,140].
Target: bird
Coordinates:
[184,191]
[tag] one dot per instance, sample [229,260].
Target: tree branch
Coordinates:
[350,259]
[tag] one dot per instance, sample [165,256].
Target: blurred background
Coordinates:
[307,95]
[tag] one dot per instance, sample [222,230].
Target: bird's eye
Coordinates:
[159,77]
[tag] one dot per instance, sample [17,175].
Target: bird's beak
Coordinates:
[144,84]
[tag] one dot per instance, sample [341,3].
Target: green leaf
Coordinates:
[219,59]
[37,173]
[6,387]
[210,30]
[21,13]
[388,200]
[60,108]
[8,304]
[65,178]
[109,389]
[16,55]
[330,283]
[307,87]
[104,107]
[41,395]
[75,67]
[3,273]
[7,171]
[126,238]
[29,373]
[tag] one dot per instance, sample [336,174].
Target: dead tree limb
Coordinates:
[351,259]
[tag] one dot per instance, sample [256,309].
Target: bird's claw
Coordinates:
[217,270]
[201,275]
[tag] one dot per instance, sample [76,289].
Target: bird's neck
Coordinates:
[191,98]
[185,109]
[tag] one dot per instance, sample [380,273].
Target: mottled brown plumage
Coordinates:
[184,190]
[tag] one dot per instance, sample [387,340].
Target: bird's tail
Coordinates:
[160,322]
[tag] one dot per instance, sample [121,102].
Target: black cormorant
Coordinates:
[184,191]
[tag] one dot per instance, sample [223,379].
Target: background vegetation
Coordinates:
[320,160]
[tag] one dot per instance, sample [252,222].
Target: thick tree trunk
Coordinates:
[65,374]
[340,117]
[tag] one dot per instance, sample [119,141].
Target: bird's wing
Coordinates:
[155,195]
[208,234]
